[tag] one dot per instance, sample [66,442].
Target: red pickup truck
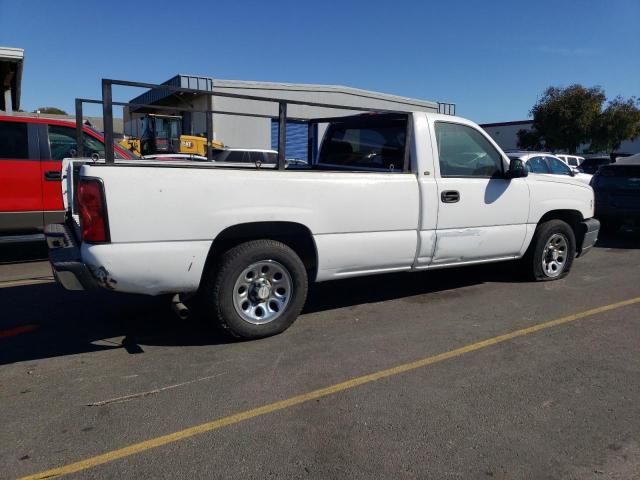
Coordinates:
[31,153]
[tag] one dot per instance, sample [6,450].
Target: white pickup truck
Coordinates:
[382,193]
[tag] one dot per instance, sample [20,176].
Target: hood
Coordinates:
[544,177]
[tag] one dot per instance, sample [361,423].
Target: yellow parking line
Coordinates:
[322,392]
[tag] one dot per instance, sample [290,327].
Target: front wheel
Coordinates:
[551,252]
[256,289]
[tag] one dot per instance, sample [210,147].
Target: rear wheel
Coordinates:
[256,289]
[551,252]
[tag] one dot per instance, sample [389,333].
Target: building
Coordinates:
[238,131]
[11,65]
[505,134]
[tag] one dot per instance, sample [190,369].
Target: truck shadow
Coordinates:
[359,290]
[22,251]
[43,321]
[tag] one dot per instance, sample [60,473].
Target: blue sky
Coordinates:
[492,58]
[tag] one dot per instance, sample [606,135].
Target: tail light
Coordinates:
[93,211]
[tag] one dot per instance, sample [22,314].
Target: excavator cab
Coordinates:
[160,134]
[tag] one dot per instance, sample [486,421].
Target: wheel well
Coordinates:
[573,218]
[294,235]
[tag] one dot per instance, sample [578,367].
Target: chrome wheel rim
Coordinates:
[554,256]
[262,292]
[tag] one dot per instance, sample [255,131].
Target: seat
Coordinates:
[340,153]
[391,156]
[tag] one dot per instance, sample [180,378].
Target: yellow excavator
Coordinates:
[163,134]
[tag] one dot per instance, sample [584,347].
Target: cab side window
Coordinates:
[465,152]
[14,142]
[557,167]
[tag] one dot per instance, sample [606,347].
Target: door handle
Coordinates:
[450,196]
[53,176]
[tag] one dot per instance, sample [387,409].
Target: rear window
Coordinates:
[14,142]
[365,144]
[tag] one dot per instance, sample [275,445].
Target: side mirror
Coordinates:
[517,169]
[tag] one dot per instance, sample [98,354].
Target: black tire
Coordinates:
[219,289]
[533,260]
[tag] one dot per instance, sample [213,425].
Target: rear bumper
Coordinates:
[148,268]
[592,228]
[64,256]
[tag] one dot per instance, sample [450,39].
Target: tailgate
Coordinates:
[70,176]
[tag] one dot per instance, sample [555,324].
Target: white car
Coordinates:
[572,161]
[548,164]
[227,155]
[383,193]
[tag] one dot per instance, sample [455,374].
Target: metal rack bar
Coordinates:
[79,142]
[108,103]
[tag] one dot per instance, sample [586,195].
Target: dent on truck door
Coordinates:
[20,185]
[481,214]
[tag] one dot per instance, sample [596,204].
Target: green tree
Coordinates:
[50,110]
[618,122]
[564,118]
[530,139]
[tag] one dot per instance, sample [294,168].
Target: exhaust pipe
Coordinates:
[179,308]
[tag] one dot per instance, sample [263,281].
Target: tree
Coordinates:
[50,110]
[618,122]
[565,117]
[530,139]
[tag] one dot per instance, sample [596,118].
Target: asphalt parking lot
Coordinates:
[431,375]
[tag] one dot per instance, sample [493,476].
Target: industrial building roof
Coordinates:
[209,84]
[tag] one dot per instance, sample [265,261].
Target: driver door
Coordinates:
[482,215]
